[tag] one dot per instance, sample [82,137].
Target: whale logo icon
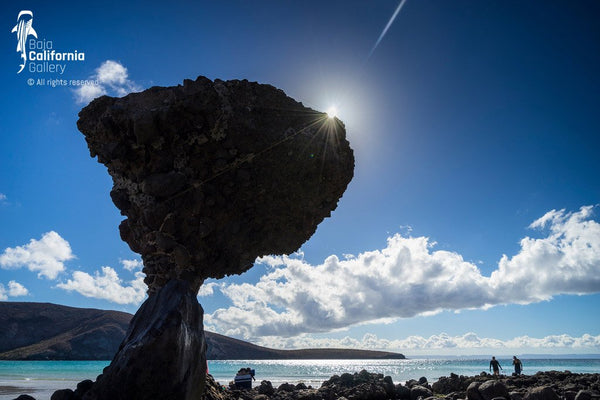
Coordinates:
[23,29]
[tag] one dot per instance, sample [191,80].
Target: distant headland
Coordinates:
[45,331]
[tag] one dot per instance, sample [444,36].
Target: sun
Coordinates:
[332,112]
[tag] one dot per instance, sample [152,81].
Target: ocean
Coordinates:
[41,378]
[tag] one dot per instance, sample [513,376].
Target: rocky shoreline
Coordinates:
[551,385]
[364,385]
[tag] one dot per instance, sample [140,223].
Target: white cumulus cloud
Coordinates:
[111,77]
[2,197]
[107,285]
[15,289]
[408,278]
[86,93]
[566,261]
[45,256]
[207,289]
[131,265]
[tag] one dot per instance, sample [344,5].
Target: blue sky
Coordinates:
[471,225]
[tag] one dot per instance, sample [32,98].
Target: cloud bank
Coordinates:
[112,78]
[408,278]
[107,285]
[468,342]
[45,256]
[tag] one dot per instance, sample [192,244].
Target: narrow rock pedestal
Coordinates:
[163,353]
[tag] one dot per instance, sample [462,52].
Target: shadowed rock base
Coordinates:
[163,353]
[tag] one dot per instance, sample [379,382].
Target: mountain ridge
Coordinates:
[47,331]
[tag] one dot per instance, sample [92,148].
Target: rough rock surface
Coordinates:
[366,385]
[492,389]
[163,354]
[211,175]
[541,393]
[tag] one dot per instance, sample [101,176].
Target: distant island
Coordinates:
[45,331]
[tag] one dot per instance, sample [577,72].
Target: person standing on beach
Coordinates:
[518,365]
[495,364]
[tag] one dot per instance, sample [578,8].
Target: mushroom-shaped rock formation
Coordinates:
[210,175]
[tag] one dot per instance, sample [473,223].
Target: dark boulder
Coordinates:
[583,395]
[266,388]
[541,393]
[420,391]
[83,387]
[286,387]
[63,394]
[402,392]
[388,386]
[25,397]
[492,389]
[473,391]
[446,385]
[214,391]
[569,395]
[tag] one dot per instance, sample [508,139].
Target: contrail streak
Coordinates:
[390,22]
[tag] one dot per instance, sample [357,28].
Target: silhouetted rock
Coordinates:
[583,395]
[541,393]
[210,175]
[266,388]
[25,397]
[163,354]
[63,394]
[492,389]
[473,391]
[446,385]
[402,392]
[214,391]
[420,391]
[83,387]
[286,387]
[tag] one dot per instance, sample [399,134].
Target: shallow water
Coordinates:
[41,378]
[314,372]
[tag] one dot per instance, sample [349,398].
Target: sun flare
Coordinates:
[332,112]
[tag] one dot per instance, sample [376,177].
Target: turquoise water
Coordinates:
[41,378]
